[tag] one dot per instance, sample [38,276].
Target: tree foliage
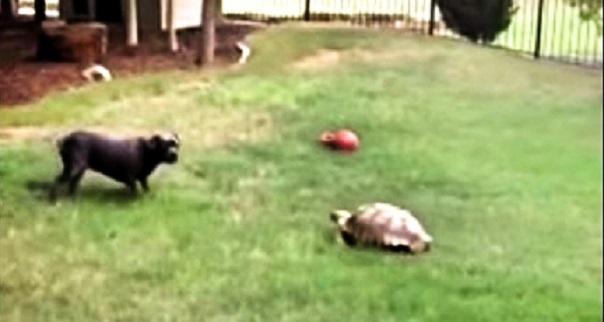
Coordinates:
[478,20]
[589,10]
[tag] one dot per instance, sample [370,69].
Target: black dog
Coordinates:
[124,160]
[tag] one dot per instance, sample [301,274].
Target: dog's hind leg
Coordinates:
[73,169]
[74,181]
[60,181]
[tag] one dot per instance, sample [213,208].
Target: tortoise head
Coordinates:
[419,247]
[340,217]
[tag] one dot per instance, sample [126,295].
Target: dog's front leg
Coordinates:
[131,184]
[144,184]
[54,189]
[74,181]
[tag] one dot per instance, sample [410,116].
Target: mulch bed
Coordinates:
[25,80]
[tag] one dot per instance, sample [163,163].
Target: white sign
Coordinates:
[186,13]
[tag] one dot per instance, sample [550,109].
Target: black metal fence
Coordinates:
[541,28]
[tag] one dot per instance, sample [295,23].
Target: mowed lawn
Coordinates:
[498,156]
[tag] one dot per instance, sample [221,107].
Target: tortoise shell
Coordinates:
[382,225]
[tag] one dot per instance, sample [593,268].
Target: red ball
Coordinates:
[344,140]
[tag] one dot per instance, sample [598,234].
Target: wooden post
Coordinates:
[207,39]
[132,27]
[432,17]
[40,10]
[307,10]
[537,52]
[171,27]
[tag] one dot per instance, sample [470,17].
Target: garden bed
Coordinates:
[24,80]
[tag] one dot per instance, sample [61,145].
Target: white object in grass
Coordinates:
[96,72]
[245,52]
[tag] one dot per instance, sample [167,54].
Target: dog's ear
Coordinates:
[153,142]
[176,137]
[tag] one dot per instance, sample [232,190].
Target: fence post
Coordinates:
[307,10]
[207,41]
[432,17]
[537,52]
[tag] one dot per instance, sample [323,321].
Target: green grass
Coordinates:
[498,156]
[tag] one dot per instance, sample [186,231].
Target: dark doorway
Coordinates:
[80,8]
[109,10]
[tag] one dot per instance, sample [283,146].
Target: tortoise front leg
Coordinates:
[348,239]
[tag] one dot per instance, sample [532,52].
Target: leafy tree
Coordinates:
[478,20]
[589,10]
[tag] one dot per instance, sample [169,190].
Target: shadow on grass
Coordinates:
[333,236]
[95,193]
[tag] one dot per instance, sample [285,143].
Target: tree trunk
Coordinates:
[8,9]
[40,9]
[207,39]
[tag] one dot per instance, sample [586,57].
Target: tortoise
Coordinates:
[384,226]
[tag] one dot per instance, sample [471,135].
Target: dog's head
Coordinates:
[164,147]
